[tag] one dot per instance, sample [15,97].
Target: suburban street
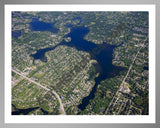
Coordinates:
[121,86]
[61,109]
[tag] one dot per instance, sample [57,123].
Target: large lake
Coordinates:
[104,58]
[36,25]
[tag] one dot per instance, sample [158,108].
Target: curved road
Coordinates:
[61,108]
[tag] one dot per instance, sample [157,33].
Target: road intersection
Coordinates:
[61,108]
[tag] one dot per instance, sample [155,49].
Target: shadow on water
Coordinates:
[27,111]
[22,111]
[44,112]
[104,57]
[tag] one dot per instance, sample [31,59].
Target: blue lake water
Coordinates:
[16,33]
[36,25]
[104,57]
[78,18]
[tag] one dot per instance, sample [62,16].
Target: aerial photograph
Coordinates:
[80,63]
